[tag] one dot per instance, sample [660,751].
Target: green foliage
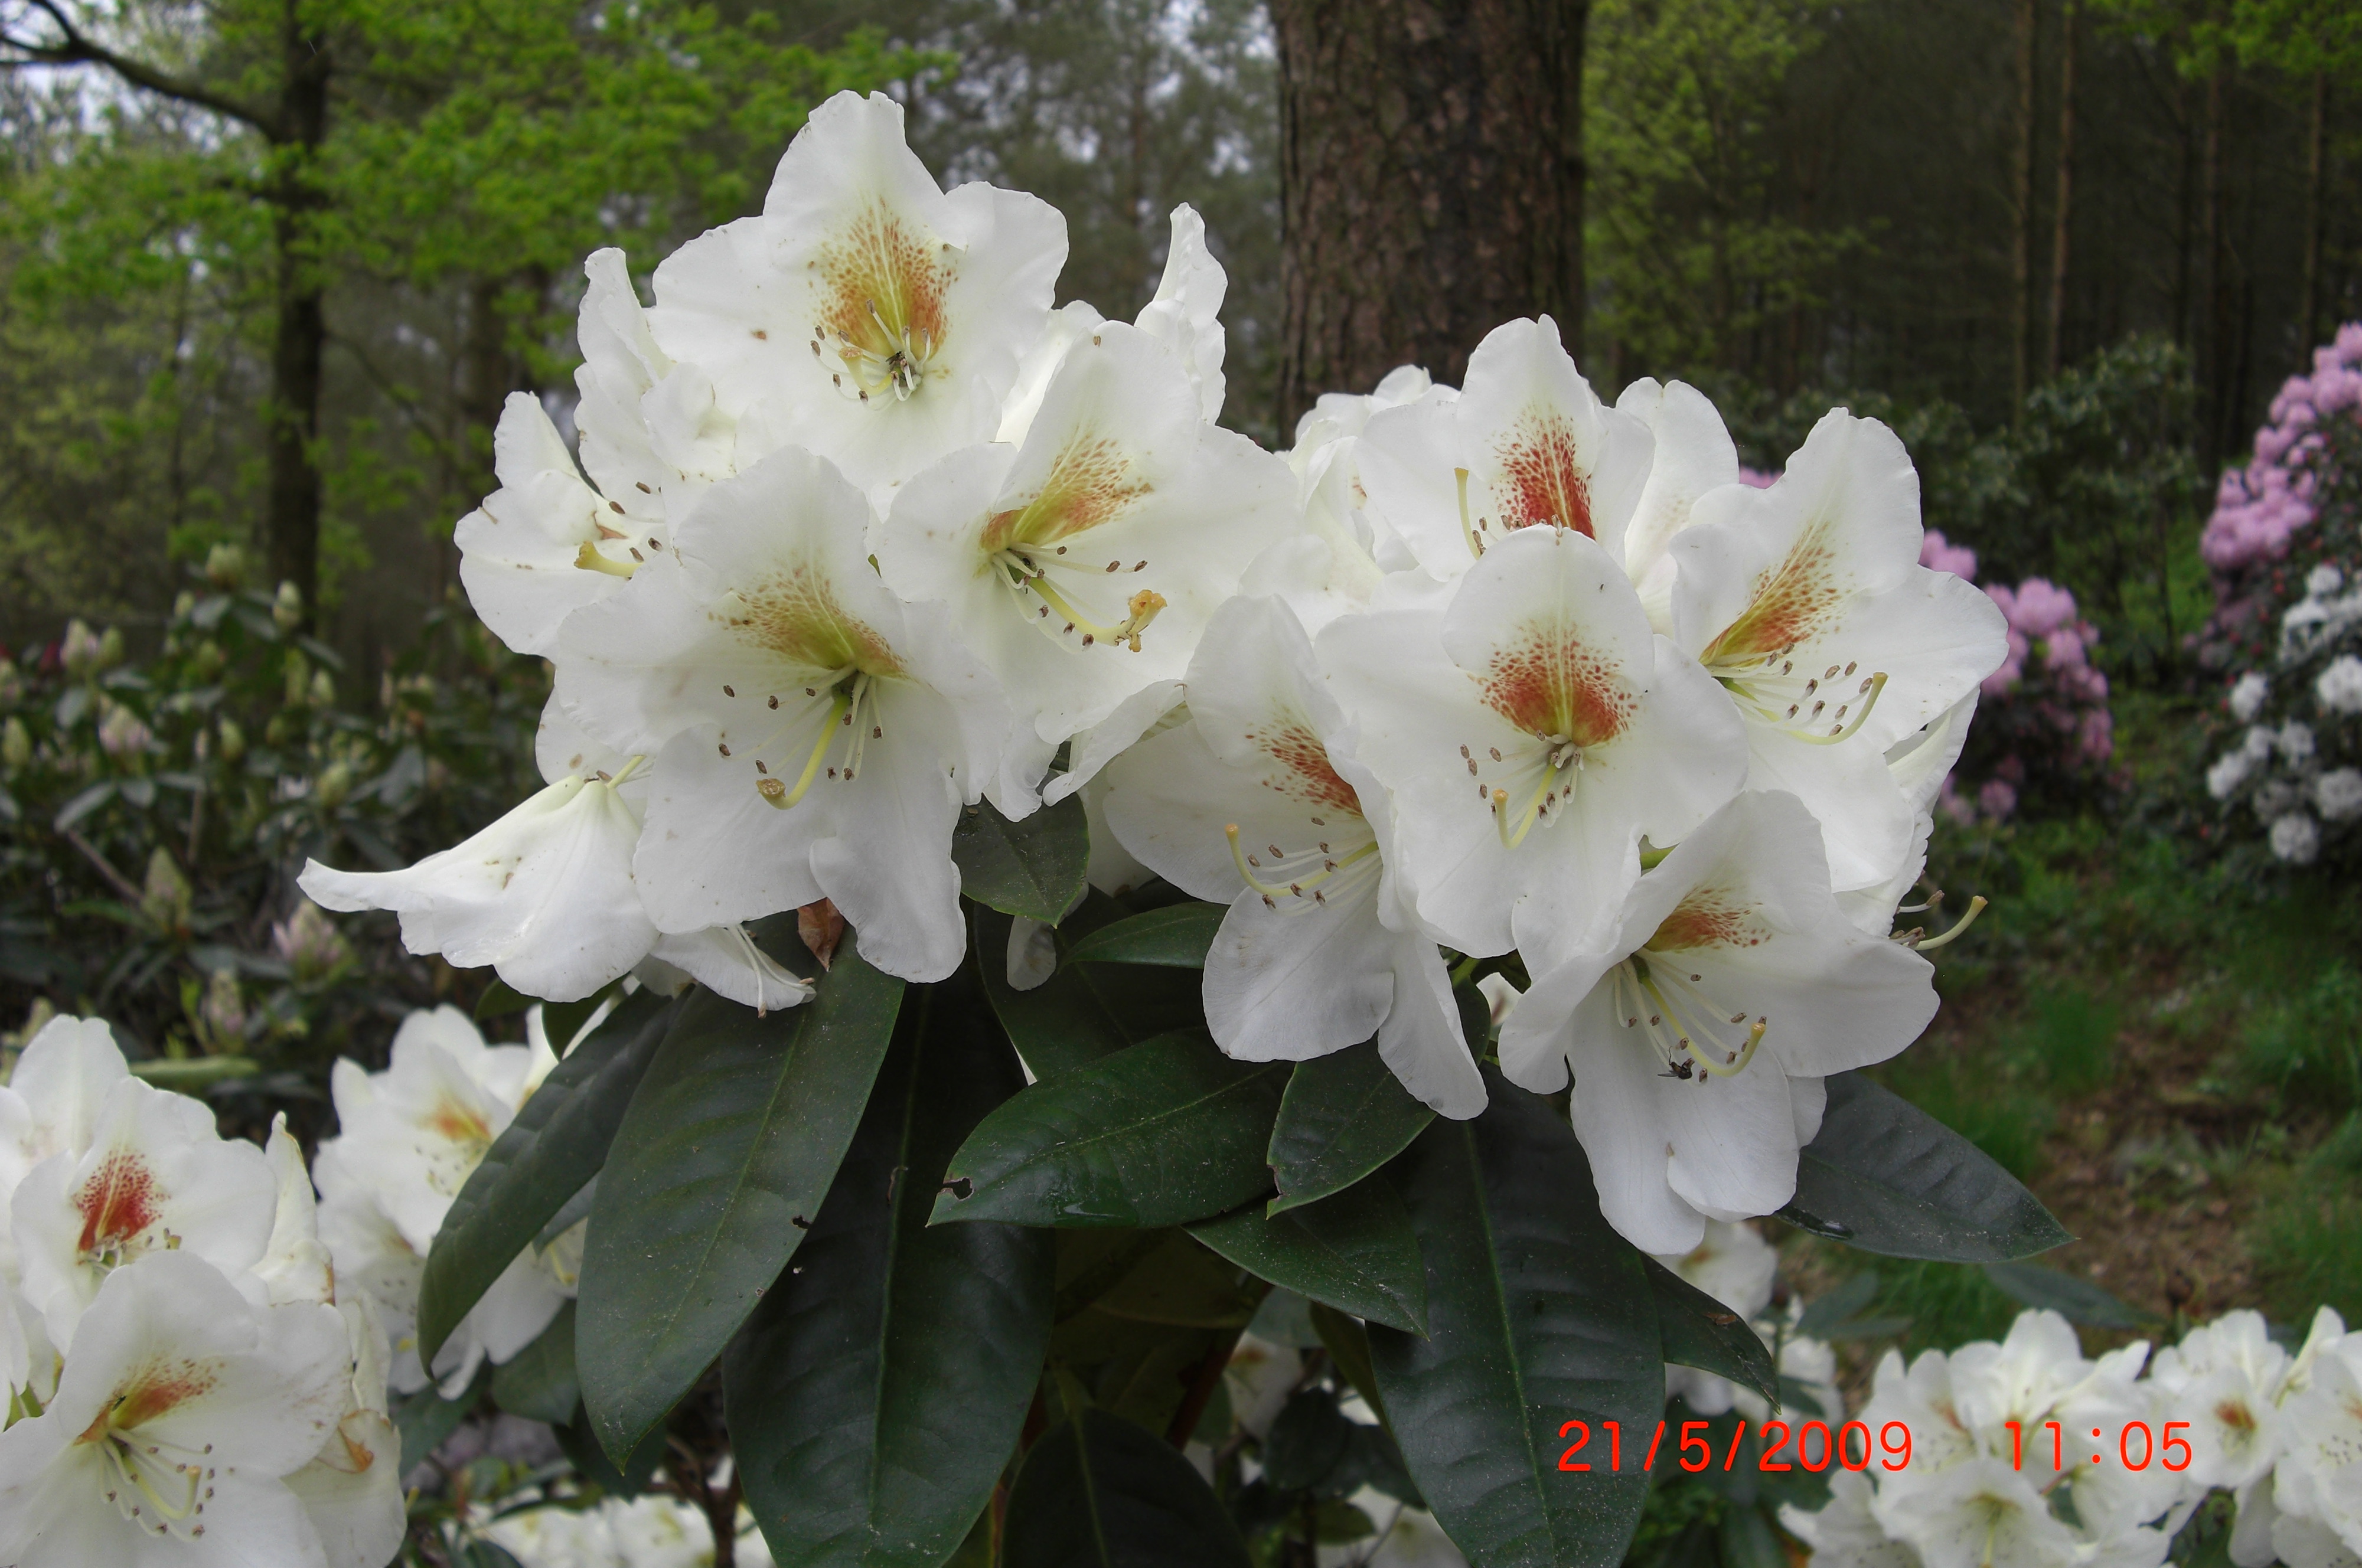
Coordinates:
[2308,1044]
[1677,96]
[541,1160]
[157,810]
[1342,1116]
[723,1159]
[888,1335]
[1033,868]
[1884,1176]
[1539,1315]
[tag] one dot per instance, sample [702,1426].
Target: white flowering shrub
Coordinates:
[2001,1470]
[187,1380]
[2287,632]
[1022,872]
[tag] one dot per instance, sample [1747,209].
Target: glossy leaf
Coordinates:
[1348,1344]
[1355,1250]
[558,1141]
[1099,1492]
[1081,1013]
[2076,1300]
[424,1418]
[876,1395]
[1887,1178]
[716,1173]
[1033,868]
[1343,1116]
[1695,1330]
[1175,937]
[1160,1133]
[1538,1314]
[538,1382]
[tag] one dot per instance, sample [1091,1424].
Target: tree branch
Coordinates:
[74,48]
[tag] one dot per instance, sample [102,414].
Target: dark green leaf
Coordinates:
[1538,1314]
[1307,1439]
[1349,1346]
[1159,1134]
[1175,938]
[580,1448]
[499,1000]
[1081,1013]
[485,1554]
[558,1141]
[1099,1492]
[2076,1300]
[886,1337]
[719,1165]
[1355,1251]
[1887,1178]
[1033,868]
[561,1021]
[1832,1308]
[425,1419]
[1697,1330]
[1343,1116]
[538,1383]
[1747,1541]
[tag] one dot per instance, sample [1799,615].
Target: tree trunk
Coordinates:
[2021,258]
[2062,217]
[291,524]
[2316,214]
[1431,182]
[2214,343]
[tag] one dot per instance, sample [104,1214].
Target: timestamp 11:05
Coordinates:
[1814,1446]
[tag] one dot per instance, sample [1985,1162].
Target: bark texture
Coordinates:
[1431,183]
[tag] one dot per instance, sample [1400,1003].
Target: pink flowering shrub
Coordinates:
[2261,541]
[2043,726]
[2286,636]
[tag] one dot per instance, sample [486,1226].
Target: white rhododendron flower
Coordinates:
[2316,1515]
[154,1176]
[1532,731]
[1258,804]
[1525,443]
[1694,457]
[876,318]
[182,1409]
[1808,604]
[1082,565]
[547,896]
[814,736]
[410,1136]
[1988,1481]
[1699,1025]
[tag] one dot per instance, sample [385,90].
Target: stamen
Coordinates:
[1475,544]
[1922,944]
[588,558]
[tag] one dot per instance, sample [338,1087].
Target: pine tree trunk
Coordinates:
[1431,182]
[300,335]
[2062,217]
[2214,343]
[2317,215]
[2021,260]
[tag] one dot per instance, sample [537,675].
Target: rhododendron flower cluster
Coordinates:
[187,1380]
[865,536]
[2286,630]
[2259,509]
[2047,727]
[2280,1433]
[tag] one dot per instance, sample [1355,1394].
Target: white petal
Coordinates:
[1290,983]
[1422,1040]
[517,552]
[1185,313]
[725,961]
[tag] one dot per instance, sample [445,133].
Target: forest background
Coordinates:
[2070,249]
